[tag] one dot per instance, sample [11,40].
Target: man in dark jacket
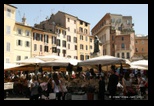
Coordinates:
[101,88]
[113,81]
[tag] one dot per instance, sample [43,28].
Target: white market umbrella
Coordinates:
[10,65]
[33,60]
[61,62]
[138,67]
[103,60]
[142,63]
[49,58]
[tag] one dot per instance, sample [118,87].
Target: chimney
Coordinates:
[24,20]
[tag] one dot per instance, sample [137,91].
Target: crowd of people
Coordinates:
[113,83]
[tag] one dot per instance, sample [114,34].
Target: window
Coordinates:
[41,37]
[87,57]
[112,38]
[8,46]
[45,48]
[74,21]
[90,47]
[135,41]
[90,39]
[142,41]
[27,33]
[40,48]
[19,43]
[34,36]
[122,45]
[26,57]
[64,43]
[27,44]
[54,40]
[8,30]
[54,49]
[68,19]
[64,53]
[128,56]
[112,20]
[86,47]
[113,46]
[81,46]
[123,55]
[74,30]
[35,47]
[38,38]
[7,60]
[68,46]
[85,31]
[63,32]
[45,38]
[118,55]
[122,38]
[75,47]
[18,58]
[8,12]
[81,57]
[80,29]
[81,22]
[68,56]
[86,38]
[68,38]
[75,40]
[58,51]
[68,28]
[58,42]
[19,31]
[81,37]
[75,57]
[136,49]
[128,22]
[142,49]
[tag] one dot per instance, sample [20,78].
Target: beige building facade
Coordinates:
[22,41]
[9,24]
[83,40]
[72,32]
[42,42]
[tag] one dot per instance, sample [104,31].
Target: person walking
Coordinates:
[101,88]
[113,81]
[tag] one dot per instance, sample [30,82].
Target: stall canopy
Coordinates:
[33,60]
[142,63]
[8,66]
[49,58]
[61,62]
[138,67]
[103,60]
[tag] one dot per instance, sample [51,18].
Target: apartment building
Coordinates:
[141,47]
[124,46]
[9,23]
[108,29]
[83,40]
[22,40]
[43,42]
[72,32]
